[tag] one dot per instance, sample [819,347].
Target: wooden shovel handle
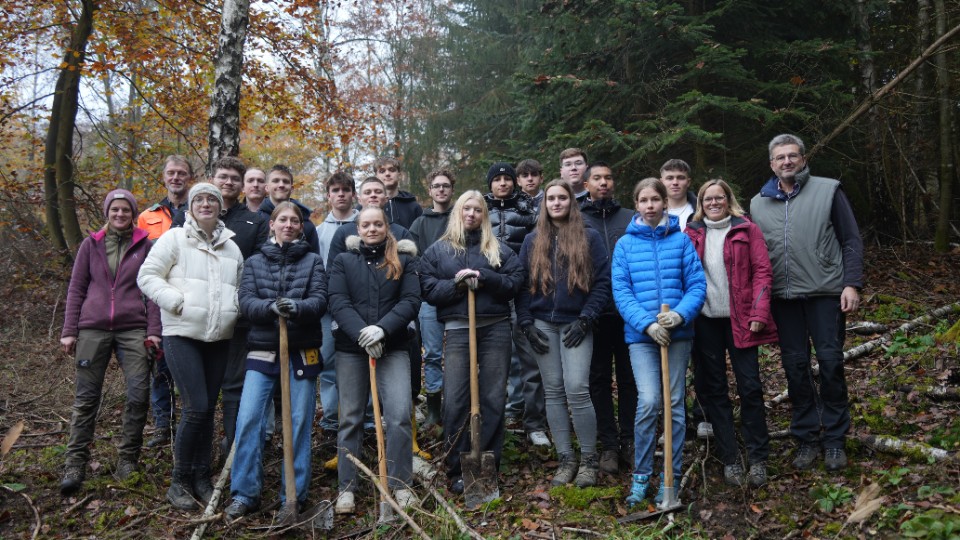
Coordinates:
[667,411]
[290,489]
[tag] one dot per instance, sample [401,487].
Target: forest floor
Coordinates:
[919,496]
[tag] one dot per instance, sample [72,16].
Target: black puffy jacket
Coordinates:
[361,294]
[440,264]
[512,219]
[289,271]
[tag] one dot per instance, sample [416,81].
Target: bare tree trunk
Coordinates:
[228,69]
[941,240]
[919,127]
[58,178]
[879,199]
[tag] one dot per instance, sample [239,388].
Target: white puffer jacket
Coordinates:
[194,281]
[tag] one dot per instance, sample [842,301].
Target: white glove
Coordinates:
[669,320]
[659,334]
[375,350]
[370,335]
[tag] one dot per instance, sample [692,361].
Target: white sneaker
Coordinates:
[704,430]
[405,498]
[345,503]
[539,438]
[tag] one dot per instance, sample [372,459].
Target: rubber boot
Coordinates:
[180,493]
[434,409]
[416,447]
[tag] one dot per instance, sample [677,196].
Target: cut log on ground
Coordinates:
[901,447]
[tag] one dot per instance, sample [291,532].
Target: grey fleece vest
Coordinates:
[804,251]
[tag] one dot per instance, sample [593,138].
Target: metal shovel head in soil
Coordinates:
[479,468]
[660,511]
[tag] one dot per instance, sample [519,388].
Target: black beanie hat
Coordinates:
[501,168]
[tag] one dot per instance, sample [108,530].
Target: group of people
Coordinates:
[564,289]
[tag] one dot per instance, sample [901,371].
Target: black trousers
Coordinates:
[610,352]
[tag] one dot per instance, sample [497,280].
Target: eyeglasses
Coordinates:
[441,186]
[711,200]
[206,199]
[784,157]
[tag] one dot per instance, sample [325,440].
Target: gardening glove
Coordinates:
[276,310]
[574,333]
[468,278]
[538,340]
[370,335]
[659,334]
[670,320]
[288,308]
[375,349]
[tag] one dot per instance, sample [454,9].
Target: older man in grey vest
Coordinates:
[817,258]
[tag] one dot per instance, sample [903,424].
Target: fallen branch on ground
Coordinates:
[901,447]
[36,513]
[217,493]
[386,495]
[464,528]
[934,392]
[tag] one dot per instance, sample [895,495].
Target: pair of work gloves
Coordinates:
[571,335]
[660,330]
[285,307]
[372,340]
[467,278]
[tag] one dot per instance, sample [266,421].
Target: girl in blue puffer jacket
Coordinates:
[653,264]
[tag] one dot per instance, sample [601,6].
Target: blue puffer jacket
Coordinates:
[561,305]
[289,271]
[653,267]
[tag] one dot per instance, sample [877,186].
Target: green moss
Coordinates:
[581,498]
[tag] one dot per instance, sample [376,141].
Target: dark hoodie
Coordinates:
[427,228]
[403,209]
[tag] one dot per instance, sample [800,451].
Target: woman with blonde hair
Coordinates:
[469,256]
[567,289]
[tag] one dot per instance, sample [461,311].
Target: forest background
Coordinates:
[95,93]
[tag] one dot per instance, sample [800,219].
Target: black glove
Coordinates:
[288,308]
[574,333]
[538,340]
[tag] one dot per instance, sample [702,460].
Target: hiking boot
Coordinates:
[237,509]
[72,481]
[202,487]
[587,475]
[125,468]
[638,489]
[405,498]
[834,459]
[704,430]
[434,409]
[805,457]
[345,503]
[566,470]
[758,474]
[538,438]
[161,437]
[733,474]
[179,494]
[609,462]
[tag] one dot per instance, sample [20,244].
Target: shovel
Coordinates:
[290,486]
[386,511]
[479,468]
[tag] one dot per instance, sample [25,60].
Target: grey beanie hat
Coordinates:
[205,188]
[119,194]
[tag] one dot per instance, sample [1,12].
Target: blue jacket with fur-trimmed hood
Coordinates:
[654,266]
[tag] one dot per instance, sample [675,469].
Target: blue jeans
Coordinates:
[393,387]
[197,368]
[246,478]
[566,381]
[328,377]
[817,319]
[431,332]
[493,359]
[645,358]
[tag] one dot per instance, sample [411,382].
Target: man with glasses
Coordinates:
[425,230]
[572,163]
[817,257]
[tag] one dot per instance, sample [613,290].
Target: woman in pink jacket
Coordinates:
[736,319]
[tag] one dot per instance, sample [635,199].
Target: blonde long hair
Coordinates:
[456,234]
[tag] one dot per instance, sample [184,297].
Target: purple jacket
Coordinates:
[750,278]
[96,300]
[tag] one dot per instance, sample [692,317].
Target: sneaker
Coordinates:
[638,490]
[72,480]
[406,498]
[566,471]
[704,430]
[456,485]
[758,474]
[237,509]
[834,459]
[587,475]
[805,457]
[125,468]
[538,438]
[609,462]
[733,474]
[161,436]
[345,503]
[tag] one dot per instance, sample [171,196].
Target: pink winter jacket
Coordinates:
[749,275]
